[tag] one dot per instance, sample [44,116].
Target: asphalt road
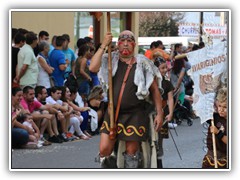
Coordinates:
[81,154]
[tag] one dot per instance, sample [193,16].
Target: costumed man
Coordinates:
[143,79]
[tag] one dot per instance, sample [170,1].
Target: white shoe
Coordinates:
[172,125]
[39,144]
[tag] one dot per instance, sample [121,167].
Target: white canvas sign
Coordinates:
[208,65]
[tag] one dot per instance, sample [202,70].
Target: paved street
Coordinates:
[81,154]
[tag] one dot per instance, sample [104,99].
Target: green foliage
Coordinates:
[157,24]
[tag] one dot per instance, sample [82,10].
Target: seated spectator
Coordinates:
[26,120]
[75,116]
[38,111]
[41,95]
[84,110]
[63,111]
[95,102]
[20,135]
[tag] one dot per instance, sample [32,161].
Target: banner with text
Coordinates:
[208,65]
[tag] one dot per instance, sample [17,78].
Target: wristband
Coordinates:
[220,135]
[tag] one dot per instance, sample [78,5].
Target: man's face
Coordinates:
[29,96]
[34,44]
[44,94]
[22,43]
[126,44]
[57,95]
[65,44]
[44,38]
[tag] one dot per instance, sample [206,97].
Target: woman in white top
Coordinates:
[45,70]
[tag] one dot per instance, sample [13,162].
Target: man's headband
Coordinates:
[126,36]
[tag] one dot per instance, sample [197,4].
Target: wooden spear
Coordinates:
[112,134]
[214,147]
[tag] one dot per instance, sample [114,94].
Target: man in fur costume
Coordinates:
[142,85]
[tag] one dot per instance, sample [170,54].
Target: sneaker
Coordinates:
[64,137]
[54,139]
[172,125]
[30,145]
[68,134]
[39,144]
[45,142]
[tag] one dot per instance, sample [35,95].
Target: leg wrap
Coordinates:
[109,162]
[132,161]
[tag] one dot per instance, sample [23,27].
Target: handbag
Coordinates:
[52,81]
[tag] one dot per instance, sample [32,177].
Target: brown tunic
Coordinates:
[132,123]
[208,160]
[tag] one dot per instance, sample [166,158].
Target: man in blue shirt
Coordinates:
[58,62]
[69,55]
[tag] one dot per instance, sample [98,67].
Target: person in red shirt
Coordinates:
[38,111]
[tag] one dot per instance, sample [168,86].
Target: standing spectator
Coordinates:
[159,49]
[52,45]
[45,70]
[19,41]
[94,76]
[177,74]
[42,36]
[148,52]
[69,56]
[14,32]
[82,72]
[58,62]
[168,106]
[27,63]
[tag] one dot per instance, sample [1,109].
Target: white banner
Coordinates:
[208,65]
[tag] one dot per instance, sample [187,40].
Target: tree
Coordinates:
[157,24]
